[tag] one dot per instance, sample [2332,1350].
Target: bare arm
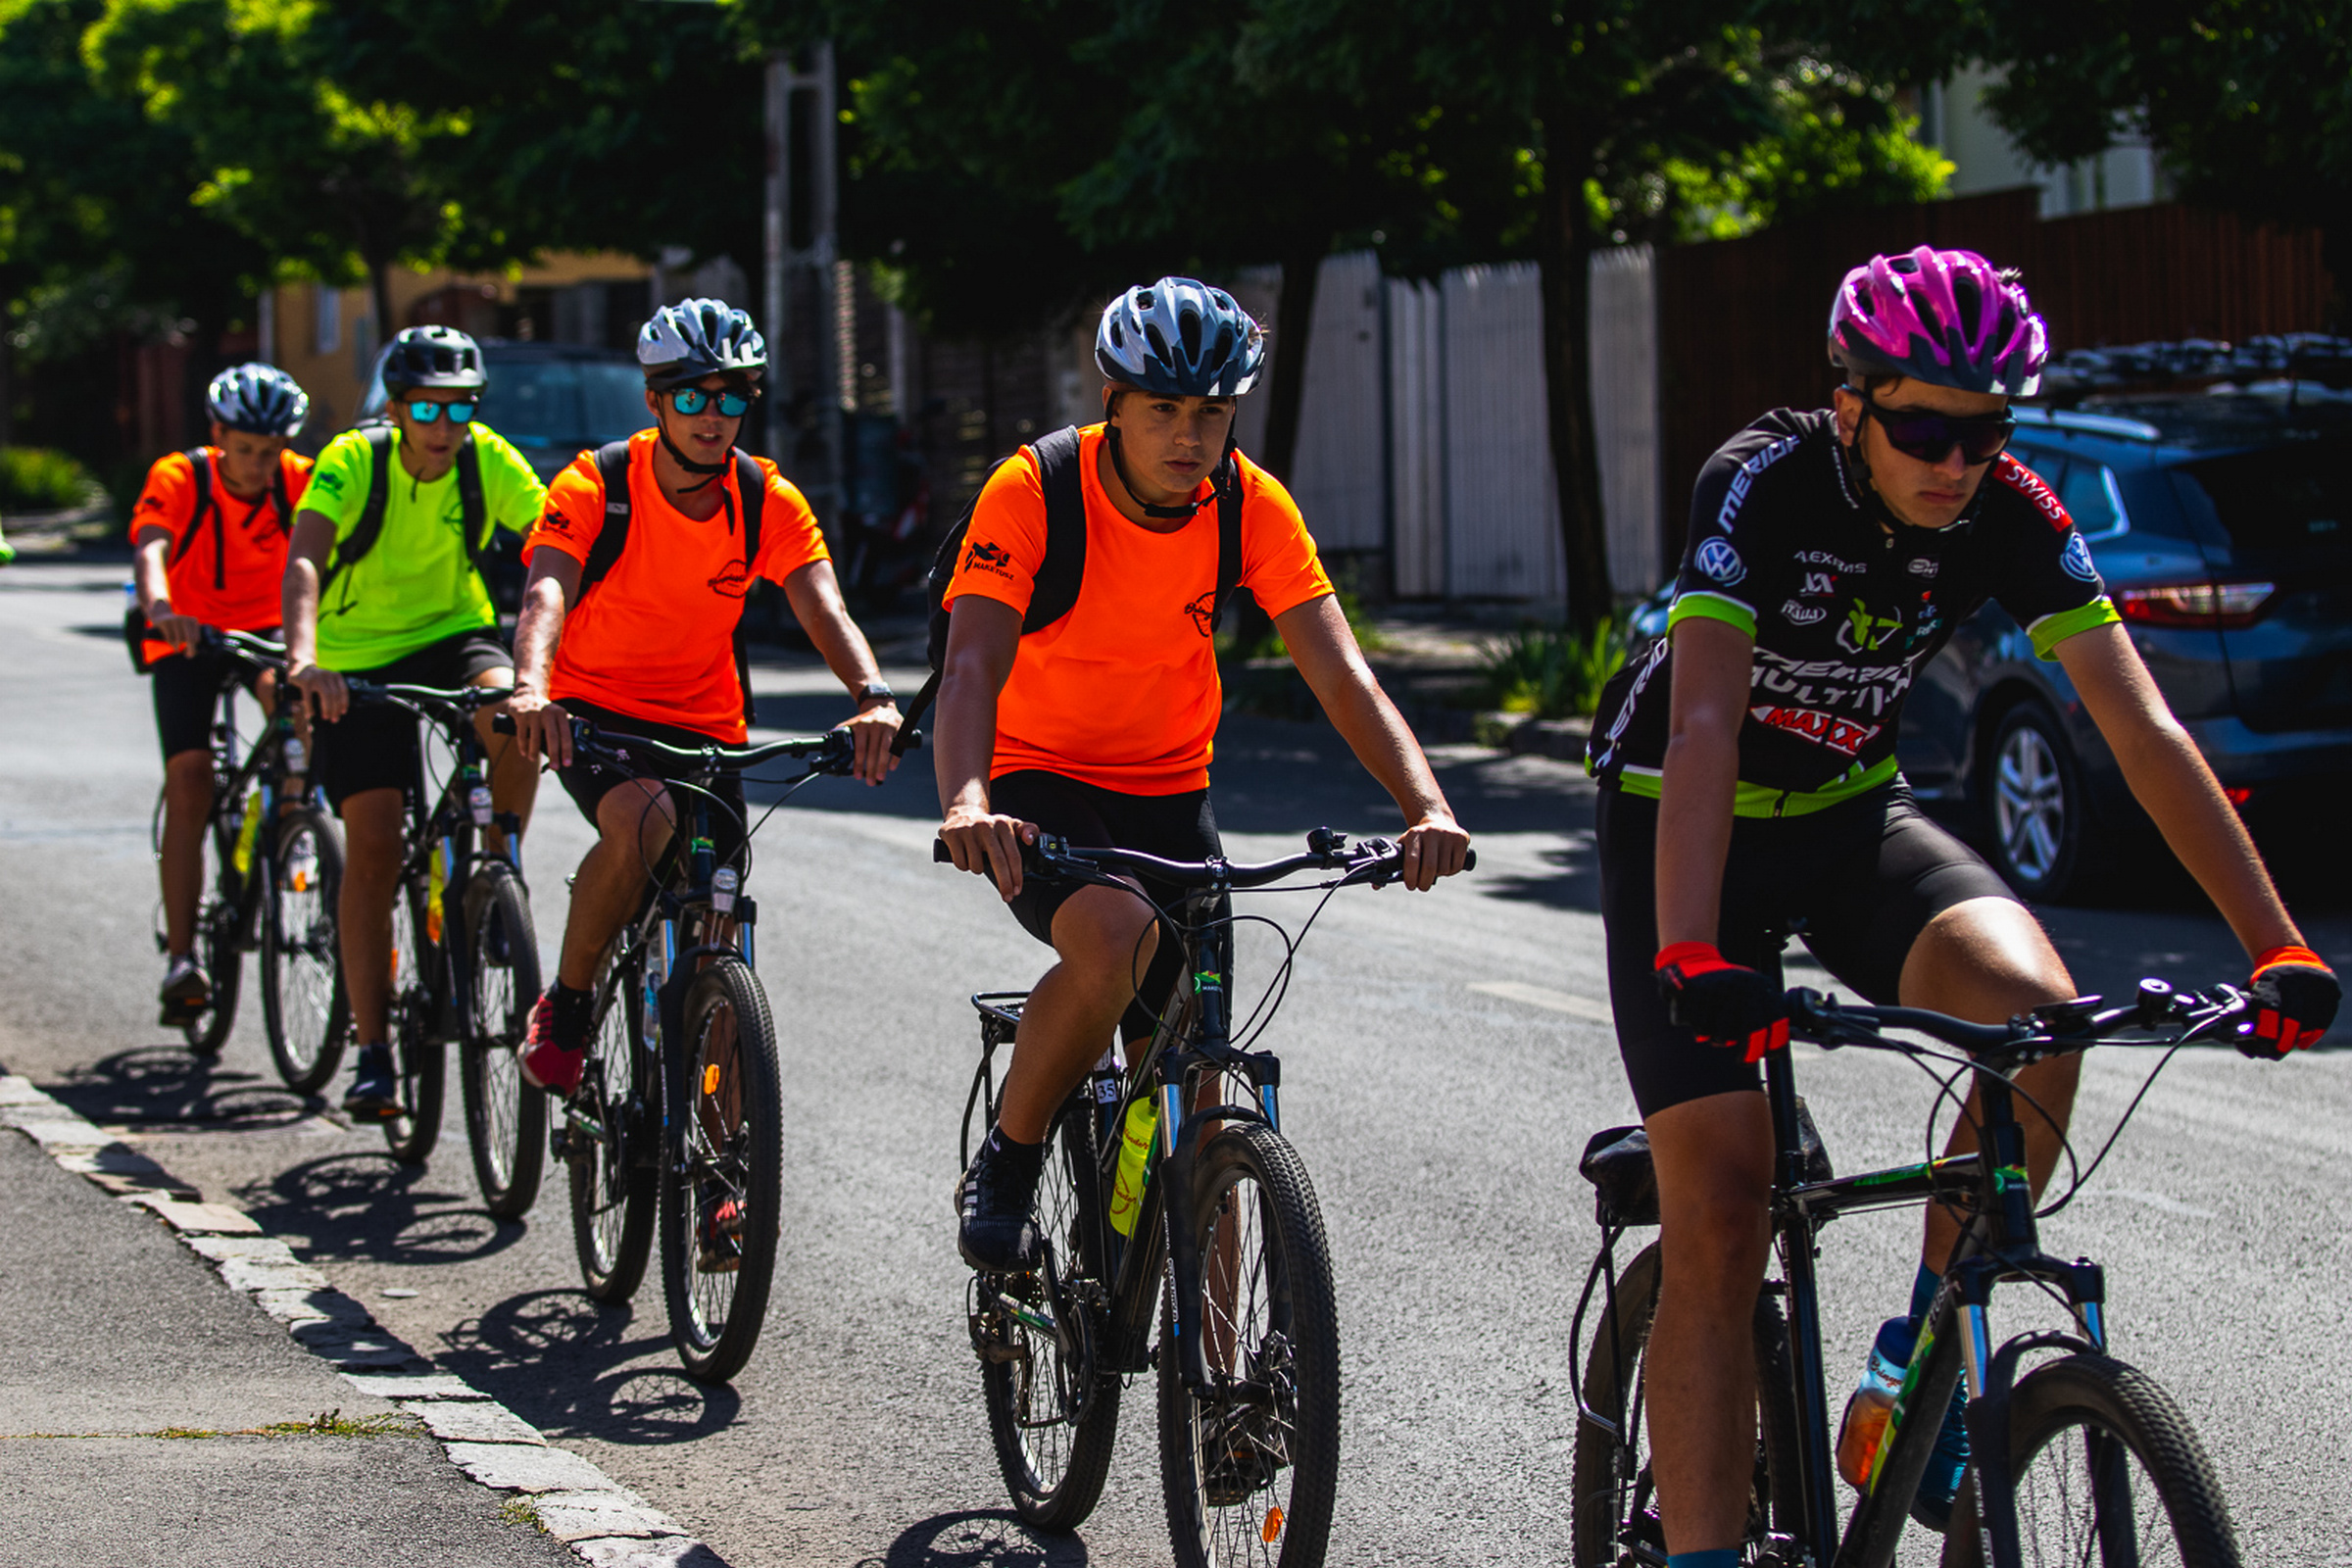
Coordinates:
[1701,773]
[307,553]
[984,636]
[154,586]
[1320,644]
[815,597]
[540,725]
[2168,777]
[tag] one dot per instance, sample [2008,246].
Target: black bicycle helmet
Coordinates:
[440,358]
[258,399]
[695,338]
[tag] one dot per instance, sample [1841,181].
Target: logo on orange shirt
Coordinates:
[732,581]
[556,521]
[985,557]
[1203,612]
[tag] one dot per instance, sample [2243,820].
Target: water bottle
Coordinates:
[1864,1429]
[1135,1155]
[657,974]
[436,884]
[248,831]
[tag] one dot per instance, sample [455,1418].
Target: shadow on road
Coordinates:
[563,1364]
[369,1206]
[976,1539]
[166,1088]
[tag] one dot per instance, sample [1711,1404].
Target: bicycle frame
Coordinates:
[233,780]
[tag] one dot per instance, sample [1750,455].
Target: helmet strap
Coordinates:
[708,470]
[1217,480]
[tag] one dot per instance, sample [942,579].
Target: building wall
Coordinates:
[1954,119]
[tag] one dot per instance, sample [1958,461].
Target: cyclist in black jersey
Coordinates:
[1749,781]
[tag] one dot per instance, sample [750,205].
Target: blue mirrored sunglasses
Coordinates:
[425,411]
[694,400]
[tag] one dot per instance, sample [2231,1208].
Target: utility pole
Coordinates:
[784,87]
[777,239]
[833,377]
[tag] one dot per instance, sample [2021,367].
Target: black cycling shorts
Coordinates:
[1864,876]
[589,781]
[187,688]
[374,746]
[1175,827]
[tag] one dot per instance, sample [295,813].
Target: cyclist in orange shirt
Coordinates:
[1099,727]
[641,641]
[210,532]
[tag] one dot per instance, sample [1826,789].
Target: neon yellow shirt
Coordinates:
[417,585]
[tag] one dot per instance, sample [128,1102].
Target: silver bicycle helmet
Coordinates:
[1180,337]
[687,341]
[258,399]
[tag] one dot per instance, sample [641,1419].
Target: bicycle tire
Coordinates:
[1055,1486]
[410,1014]
[2122,1411]
[1224,1514]
[616,1178]
[719,1147]
[301,967]
[1613,1505]
[506,1118]
[220,943]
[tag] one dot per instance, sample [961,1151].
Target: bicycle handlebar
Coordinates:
[431,701]
[2176,1017]
[259,652]
[833,752]
[1372,861]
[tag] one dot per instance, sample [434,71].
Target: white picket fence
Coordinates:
[1447,380]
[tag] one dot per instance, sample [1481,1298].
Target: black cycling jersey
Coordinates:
[1845,608]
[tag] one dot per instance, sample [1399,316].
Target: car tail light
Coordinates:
[2211,606]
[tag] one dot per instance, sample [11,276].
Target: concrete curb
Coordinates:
[603,1523]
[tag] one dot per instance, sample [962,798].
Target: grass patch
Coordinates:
[37,480]
[1552,671]
[335,1424]
[523,1511]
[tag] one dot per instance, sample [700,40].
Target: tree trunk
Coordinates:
[1293,326]
[379,298]
[1565,255]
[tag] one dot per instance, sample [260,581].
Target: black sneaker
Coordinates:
[993,1199]
[374,1093]
[185,992]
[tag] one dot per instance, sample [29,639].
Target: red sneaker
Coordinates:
[545,1063]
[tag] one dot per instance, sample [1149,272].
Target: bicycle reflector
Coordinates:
[2206,605]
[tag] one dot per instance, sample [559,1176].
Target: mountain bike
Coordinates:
[274,868]
[2082,1459]
[1165,1200]
[467,975]
[676,1127]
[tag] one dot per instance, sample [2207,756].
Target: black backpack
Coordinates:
[613,467]
[475,513]
[1059,575]
[208,506]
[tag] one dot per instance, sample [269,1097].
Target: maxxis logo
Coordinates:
[1719,561]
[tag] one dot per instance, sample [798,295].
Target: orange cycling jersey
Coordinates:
[1122,691]
[230,581]
[655,639]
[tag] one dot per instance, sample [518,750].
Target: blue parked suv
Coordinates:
[2222,522]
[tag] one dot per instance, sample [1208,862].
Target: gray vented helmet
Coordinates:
[439,357]
[695,338]
[1180,337]
[258,399]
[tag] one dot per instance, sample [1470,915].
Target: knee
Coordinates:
[1098,931]
[634,820]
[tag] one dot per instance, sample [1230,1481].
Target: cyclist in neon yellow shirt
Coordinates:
[383,583]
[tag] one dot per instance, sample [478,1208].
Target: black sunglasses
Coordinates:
[1931,437]
[693,400]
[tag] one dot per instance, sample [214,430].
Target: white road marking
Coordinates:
[1545,997]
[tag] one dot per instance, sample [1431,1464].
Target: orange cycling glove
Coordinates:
[2295,995]
[1724,1003]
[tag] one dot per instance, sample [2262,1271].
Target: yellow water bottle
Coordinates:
[248,831]
[436,879]
[1135,1155]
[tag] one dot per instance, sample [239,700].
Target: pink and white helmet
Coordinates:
[1949,318]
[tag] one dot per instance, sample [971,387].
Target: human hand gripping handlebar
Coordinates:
[1373,862]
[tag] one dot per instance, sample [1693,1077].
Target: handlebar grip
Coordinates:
[906,740]
[502,723]
[1469,859]
[939,853]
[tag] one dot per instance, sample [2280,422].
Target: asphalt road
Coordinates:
[1444,1063]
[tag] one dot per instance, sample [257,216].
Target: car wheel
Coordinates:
[2034,808]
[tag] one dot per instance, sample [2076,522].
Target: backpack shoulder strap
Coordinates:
[1229,540]
[750,482]
[362,536]
[1063,569]
[279,501]
[200,463]
[612,470]
[473,510]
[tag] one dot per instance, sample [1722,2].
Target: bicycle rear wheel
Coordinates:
[1250,1464]
[723,1180]
[220,943]
[1614,1497]
[1052,1414]
[303,1011]
[505,1120]
[614,1172]
[2107,1470]
[412,1016]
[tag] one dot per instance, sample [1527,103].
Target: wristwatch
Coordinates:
[875,691]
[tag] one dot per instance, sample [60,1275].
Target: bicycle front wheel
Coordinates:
[722,1178]
[1052,1414]
[411,1015]
[303,1011]
[219,945]
[1613,1496]
[2106,1470]
[1251,1462]
[506,1118]
[614,1179]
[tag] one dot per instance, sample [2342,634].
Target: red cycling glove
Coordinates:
[2295,997]
[1726,1003]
